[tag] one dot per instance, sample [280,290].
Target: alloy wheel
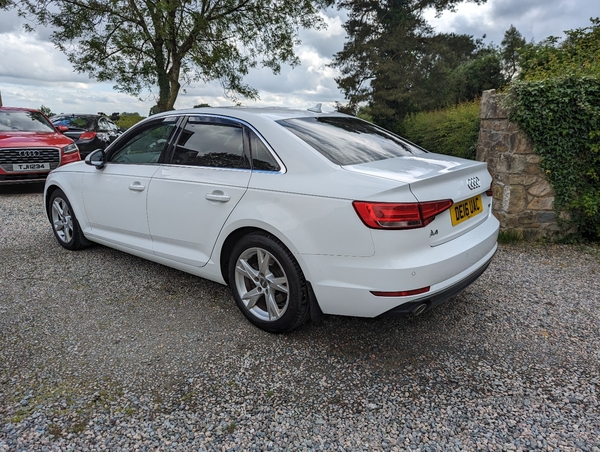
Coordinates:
[262,284]
[62,221]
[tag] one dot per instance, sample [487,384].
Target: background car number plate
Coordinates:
[31,166]
[464,210]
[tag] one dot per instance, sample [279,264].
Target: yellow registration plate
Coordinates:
[462,211]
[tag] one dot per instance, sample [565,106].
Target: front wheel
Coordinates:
[64,223]
[268,284]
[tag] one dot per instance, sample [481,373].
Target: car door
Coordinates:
[115,196]
[192,195]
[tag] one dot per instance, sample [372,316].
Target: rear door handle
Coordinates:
[136,186]
[217,196]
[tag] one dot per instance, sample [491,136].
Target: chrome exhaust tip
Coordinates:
[419,309]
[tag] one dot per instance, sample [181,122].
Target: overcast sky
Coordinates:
[34,73]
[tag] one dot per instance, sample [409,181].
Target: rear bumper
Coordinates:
[438,298]
[343,285]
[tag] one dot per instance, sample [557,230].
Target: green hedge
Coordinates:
[451,131]
[562,117]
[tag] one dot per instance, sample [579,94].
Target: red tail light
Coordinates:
[409,215]
[87,135]
[490,191]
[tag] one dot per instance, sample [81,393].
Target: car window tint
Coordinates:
[217,145]
[24,121]
[262,159]
[147,144]
[349,141]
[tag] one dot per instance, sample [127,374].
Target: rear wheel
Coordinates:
[268,284]
[64,223]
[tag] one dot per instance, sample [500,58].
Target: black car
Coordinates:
[90,132]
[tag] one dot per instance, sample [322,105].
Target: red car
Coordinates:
[31,147]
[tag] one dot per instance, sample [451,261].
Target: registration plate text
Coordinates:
[31,166]
[462,211]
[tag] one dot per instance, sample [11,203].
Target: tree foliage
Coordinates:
[147,44]
[512,43]
[46,110]
[451,131]
[394,61]
[557,103]
[577,55]
[127,120]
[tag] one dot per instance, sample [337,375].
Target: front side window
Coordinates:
[147,144]
[349,141]
[210,144]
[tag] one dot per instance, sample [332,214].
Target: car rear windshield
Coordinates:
[74,122]
[24,121]
[349,141]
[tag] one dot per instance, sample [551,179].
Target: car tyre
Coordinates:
[267,283]
[64,223]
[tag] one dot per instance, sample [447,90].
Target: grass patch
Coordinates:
[55,430]
[79,427]
[231,428]
[508,237]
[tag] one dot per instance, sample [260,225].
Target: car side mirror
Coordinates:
[62,129]
[97,158]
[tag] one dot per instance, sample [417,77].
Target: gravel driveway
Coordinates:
[102,350]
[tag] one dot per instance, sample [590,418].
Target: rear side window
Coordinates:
[211,144]
[349,141]
[262,159]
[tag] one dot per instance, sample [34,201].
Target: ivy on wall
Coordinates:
[562,117]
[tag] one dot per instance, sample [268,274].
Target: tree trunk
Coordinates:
[168,87]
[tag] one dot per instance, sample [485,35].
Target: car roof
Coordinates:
[73,115]
[272,113]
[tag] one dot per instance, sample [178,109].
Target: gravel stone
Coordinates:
[100,350]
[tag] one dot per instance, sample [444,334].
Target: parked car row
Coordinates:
[31,145]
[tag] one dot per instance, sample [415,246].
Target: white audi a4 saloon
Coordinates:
[300,213]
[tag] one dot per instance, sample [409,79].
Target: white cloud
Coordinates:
[535,19]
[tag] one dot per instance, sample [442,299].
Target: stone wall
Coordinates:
[522,195]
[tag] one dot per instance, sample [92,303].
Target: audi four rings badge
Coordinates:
[29,153]
[473,183]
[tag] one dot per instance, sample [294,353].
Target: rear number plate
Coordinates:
[31,166]
[464,210]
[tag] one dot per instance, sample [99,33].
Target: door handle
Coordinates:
[136,186]
[217,196]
